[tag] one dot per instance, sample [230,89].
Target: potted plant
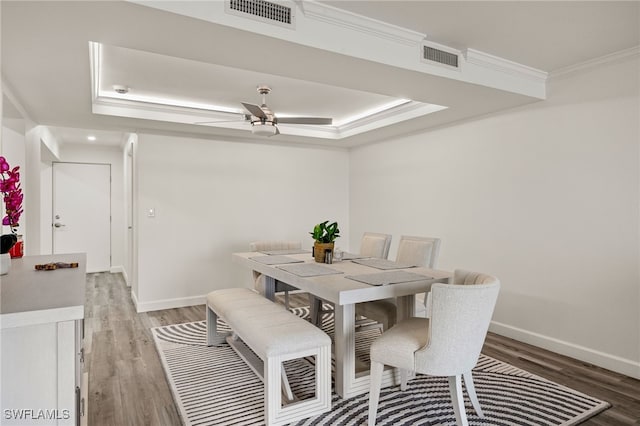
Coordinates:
[325,234]
[12,197]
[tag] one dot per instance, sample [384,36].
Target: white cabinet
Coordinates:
[41,332]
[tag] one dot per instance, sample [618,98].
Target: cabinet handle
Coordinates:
[82,355]
[82,407]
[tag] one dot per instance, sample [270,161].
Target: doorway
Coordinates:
[81,220]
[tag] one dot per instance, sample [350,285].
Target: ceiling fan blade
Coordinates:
[244,118]
[305,120]
[255,110]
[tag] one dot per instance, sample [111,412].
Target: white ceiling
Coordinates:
[547,35]
[45,61]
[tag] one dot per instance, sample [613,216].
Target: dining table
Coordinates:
[344,284]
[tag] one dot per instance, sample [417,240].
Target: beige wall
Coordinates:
[545,197]
[211,198]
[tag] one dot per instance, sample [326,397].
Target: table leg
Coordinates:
[406,307]
[345,349]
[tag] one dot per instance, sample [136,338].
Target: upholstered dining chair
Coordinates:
[259,279]
[375,245]
[414,251]
[447,344]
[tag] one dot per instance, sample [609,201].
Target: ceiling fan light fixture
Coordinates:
[263,129]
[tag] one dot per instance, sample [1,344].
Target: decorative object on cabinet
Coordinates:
[12,198]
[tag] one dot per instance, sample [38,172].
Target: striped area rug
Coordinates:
[213,386]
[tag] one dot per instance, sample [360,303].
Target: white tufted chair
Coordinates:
[415,251]
[447,344]
[259,279]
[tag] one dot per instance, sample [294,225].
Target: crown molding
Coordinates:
[494,63]
[342,18]
[619,56]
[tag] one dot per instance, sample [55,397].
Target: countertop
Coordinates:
[29,297]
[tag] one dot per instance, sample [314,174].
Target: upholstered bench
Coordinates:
[275,335]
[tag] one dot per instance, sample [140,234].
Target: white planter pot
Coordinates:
[5,263]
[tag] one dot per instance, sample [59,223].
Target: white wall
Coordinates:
[130,194]
[103,155]
[545,197]
[211,198]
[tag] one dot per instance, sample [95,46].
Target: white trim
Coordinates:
[134,299]
[125,276]
[352,21]
[610,362]
[157,305]
[494,63]
[594,63]
[44,316]
[117,269]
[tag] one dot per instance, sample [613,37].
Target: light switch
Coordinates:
[151,212]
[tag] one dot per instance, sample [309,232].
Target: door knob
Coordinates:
[58,224]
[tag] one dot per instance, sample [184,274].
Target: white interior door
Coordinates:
[82,212]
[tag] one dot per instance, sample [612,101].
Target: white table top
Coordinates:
[338,289]
[29,297]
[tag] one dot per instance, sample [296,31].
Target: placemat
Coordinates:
[383,264]
[284,251]
[388,277]
[351,256]
[309,270]
[275,260]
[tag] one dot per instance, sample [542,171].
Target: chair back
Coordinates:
[418,251]
[460,318]
[375,245]
[274,245]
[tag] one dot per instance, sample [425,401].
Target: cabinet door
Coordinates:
[38,374]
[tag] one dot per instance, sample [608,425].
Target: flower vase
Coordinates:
[5,263]
[319,250]
[17,251]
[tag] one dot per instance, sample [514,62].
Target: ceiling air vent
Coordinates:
[262,10]
[443,55]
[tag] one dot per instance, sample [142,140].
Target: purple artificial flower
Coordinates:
[4,166]
[12,194]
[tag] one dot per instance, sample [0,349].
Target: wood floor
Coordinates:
[127,385]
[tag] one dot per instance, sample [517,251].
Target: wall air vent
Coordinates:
[438,54]
[262,10]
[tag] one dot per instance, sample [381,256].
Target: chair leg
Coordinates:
[316,310]
[374,390]
[404,378]
[286,299]
[285,384]
[455,388]
[471,390]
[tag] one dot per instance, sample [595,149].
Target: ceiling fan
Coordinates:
[264,122]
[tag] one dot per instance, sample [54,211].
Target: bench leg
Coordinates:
[275,413]
[213,337]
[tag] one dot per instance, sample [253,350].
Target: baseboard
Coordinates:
[116,269]
[134,299]
[121,270]
[157,305]
[610,362]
